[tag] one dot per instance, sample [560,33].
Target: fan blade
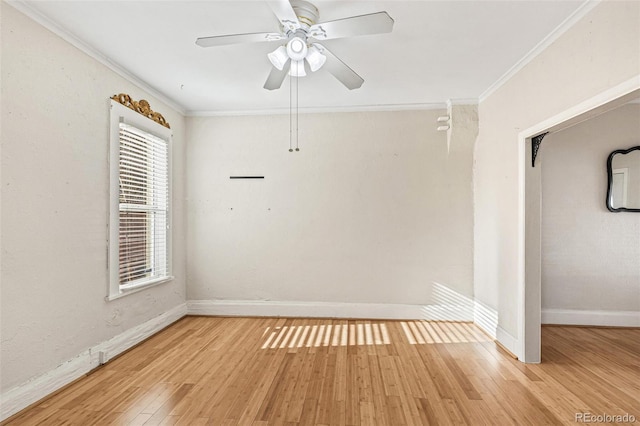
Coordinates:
[276,77]
[285,14]
[374,23]
[237,38]
[340,70]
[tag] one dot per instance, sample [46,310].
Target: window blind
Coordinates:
[143,207]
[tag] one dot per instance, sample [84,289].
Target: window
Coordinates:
[139,223]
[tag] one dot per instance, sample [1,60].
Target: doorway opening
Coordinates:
[530,209]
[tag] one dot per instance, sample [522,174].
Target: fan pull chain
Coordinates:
[297,113]
[293,134]
[290,113]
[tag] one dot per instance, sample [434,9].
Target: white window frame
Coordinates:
[122,114]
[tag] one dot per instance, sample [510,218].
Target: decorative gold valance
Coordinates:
[141,107]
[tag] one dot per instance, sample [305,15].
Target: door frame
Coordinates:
[529,193]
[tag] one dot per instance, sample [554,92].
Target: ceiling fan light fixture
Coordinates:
[297,69]
[279,57]
[315,58]
[297,49]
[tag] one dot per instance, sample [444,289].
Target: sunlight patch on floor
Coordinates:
[430,332]
[419,332]
[326,335]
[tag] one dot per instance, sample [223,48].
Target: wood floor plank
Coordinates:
[276,371]
[165,409]
[317,380]
[377,391]
[324,397]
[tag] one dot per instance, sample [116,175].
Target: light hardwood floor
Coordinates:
[269,371]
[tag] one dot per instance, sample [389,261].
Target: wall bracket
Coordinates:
[535,146]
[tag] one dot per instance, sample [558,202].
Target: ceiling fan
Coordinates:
[300,33]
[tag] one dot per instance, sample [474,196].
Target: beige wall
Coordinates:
[55,122]
[599,52]
[373,209]
[590,256]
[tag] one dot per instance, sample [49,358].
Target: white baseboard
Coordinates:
[509,342]
[486,318]
[25,394]
[329,310]
[596,318]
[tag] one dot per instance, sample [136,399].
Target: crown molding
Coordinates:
[70,38]
[320,110]
[569,22]
[462,101]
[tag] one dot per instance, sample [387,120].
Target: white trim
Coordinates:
[570,21]
[616,95]
[320,110]
[262,308]
[462,101]
[25,394]
[509,342]
[486,318]
[574,114]
[120,113]
[521,244]
[595,318]
[70,38]
[145,286]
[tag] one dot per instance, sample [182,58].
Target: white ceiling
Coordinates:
[438,50]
